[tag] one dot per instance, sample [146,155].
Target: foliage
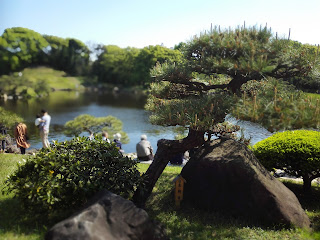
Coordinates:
[22,47]
[201,90]
[8,120]
[296,152]
[69,173]
[114,65]
[277,105]
[19,48]
[93,125]
[311,82]
[130,66]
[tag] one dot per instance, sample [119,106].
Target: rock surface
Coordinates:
[110,217]
[226,176]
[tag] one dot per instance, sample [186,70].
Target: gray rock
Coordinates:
[226,176]
[107,216]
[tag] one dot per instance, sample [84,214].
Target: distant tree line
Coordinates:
[22,47]
[110,64]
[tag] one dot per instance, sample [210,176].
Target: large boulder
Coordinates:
[110,217]
[226,176]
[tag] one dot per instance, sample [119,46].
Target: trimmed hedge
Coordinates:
[296,152]
[68,174]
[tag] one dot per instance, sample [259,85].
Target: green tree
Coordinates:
[200,91]
[115,65]
[148,57]
[67,175]
[78,57]
[57,52]
[21,47]
[8,120]
[93,125]
[296,152]
[130,66]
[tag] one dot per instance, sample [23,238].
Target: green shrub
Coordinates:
[71,172]
[296,152]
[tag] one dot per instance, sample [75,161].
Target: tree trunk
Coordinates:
[307,182]
[166,150]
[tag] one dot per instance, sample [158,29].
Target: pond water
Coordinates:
[65,106]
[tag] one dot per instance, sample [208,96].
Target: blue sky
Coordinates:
[139,23]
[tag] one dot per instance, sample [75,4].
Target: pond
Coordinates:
[64,106]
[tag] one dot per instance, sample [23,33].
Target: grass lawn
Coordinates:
[56,79]
[186,223]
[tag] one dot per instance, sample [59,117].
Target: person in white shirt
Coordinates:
[144,149]
[44,128]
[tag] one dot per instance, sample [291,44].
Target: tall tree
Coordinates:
[57,52]
[21,47]
[114,64]
[148,57]
[201,90]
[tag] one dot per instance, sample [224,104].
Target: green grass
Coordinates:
[56,79]
[15,223]
[186,223]
[190,223]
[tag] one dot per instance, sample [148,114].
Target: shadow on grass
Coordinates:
[191,223]
[310,201]
[15,219]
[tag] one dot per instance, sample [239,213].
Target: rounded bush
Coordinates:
[68,174]
[296,152]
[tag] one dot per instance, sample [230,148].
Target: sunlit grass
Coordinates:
[15,223]
[186,223]
[190,223]
[56,79]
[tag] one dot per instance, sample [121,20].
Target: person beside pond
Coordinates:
[20,134]
[3,133]
[44,128]
[144,149]
[117,141]
[38,121]
[105,136]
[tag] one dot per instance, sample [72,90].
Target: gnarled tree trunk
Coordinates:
[166,150]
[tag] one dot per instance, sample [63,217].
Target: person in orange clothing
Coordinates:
[20,134]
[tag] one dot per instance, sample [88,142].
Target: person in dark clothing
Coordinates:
[177,159]
[3,132]
[116,140]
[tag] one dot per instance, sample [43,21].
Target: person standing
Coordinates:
[20,134]
[44,128]
[144,149]
[3,133]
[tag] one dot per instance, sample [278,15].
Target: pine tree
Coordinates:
[222,72]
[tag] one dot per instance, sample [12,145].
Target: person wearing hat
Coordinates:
[144,149]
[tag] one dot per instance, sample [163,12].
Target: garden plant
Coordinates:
[220,73]
[296,152]
[69,173]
